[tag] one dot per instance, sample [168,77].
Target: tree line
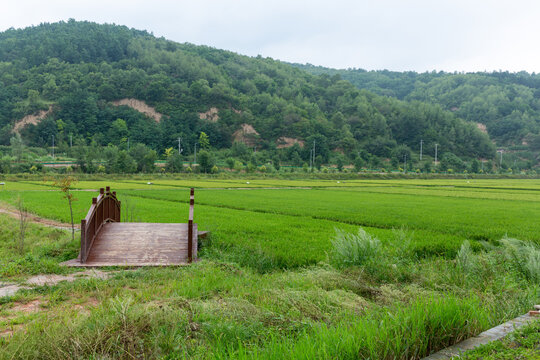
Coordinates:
[507,103]
[78,68]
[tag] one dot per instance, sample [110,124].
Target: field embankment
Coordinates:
[431,267]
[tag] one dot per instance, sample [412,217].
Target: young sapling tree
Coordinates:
[23,222]
[66,185]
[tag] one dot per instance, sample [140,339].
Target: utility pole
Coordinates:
[483,165]
[180,146]
[195,159]
[313,153]
[70,141]
[421,145]
[500,161]
[405,163]
[128,145]
[436,153]
[53,147]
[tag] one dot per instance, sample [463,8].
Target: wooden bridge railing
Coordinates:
[190,224]
[105,208]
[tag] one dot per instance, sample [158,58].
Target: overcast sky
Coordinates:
[421,35]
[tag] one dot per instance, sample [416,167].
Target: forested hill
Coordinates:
[73,75]
[507,103]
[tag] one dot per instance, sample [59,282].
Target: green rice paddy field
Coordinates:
[269,283]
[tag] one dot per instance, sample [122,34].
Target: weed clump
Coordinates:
[351,249]
[382,263]
[523,257]
[465,260]
[121,329]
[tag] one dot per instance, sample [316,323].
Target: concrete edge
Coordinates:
[487,336]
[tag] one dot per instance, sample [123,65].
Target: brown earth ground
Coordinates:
[12,212]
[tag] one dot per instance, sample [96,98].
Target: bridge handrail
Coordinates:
[105,208]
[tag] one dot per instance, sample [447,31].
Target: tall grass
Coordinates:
[523,256]
[406,332]
[388,262]
[465,260]
[44,248]
[120,329]
[354,249]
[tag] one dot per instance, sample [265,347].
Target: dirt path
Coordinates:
[51,279]
[12,212]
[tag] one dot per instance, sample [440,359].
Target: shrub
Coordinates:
[206,161]
[174,163]
[465,259]
[251,167]
[354,249]
[523,257]
[238,166]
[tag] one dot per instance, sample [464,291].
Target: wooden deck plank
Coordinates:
[76,263]
[122,254]
[116,247]
[139,244]
[105,241]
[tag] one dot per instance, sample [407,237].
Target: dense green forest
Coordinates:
[77,69]
[507,103]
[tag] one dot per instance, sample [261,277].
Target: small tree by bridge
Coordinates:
[66,186]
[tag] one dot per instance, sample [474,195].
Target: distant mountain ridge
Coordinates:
[81,70]
[508,104]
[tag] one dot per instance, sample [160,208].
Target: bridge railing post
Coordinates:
[83,241]
[190,224]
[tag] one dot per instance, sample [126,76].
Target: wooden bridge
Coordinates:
[105,241]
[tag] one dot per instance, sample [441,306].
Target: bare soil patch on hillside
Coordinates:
[141,107]
[33,119]
[211,115]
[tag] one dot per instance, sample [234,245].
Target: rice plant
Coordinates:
[264,287]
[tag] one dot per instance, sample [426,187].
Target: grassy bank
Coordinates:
[275,279]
